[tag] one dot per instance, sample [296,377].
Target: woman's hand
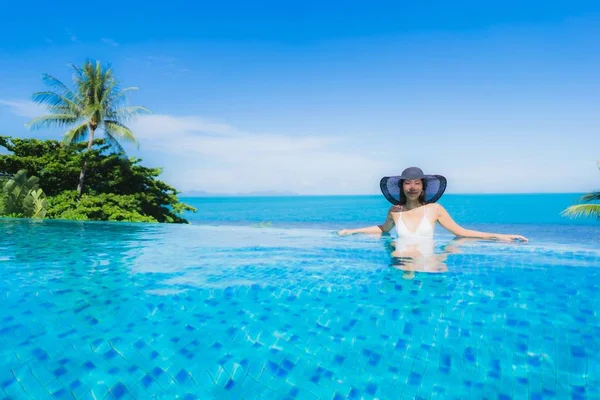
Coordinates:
[512,238]
[345,232]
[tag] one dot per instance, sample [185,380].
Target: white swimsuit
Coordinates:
[424,230]
[421,239]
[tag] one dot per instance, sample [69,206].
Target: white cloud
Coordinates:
[24,108]
[158,126]
[202,155]
[109,42]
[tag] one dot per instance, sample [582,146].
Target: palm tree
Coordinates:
[96,103]
[585,210]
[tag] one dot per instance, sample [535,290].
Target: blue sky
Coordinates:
[327,97]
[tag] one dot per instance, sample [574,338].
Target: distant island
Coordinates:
[201,193]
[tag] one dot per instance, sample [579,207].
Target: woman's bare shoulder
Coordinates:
[432,209]
[438,207]
[395,208]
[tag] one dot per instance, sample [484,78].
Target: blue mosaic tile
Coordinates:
[40,354]
[61,394]
[469,354]
[118,391]
[59,372]
[147,380]
[371,389]
[578,351]
[88,366]
[359,332]
[414,379]
[7,383]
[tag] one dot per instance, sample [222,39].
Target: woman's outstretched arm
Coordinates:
[376,229]
[447,222]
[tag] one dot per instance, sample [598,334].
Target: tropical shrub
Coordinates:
[21,196]
[118,188]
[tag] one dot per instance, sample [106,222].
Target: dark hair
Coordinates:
[403,197]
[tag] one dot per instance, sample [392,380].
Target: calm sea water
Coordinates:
[335,211]
[240,310]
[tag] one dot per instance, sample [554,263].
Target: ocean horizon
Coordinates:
[194,194]
[338,211]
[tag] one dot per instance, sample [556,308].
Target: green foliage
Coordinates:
[15,191]
[35,204]
[23,197]
[585,210]
[103,207]
[56,165]
[582,210]
[118,189]
[591,196]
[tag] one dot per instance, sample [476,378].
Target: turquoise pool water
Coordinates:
[100,310]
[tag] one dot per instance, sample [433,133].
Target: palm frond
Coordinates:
[582,210]
[83,84]
[118,130]
[107,76]
[54,101]
[121,94]
[590,196]
[124,114]
[114,143]
[52,121]
[107,94]
[97,81]
[76,134]
[77,77]
[57,84]
[76,69]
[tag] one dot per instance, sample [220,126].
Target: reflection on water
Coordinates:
[418,254]
[167,259]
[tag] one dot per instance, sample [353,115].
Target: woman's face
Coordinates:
[412,188]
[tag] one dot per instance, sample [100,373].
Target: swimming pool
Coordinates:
[100,310]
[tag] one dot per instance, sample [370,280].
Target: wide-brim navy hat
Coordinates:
[390,185]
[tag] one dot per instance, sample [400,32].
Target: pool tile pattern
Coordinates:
[140,313]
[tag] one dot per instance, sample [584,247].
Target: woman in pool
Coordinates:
[414,211]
